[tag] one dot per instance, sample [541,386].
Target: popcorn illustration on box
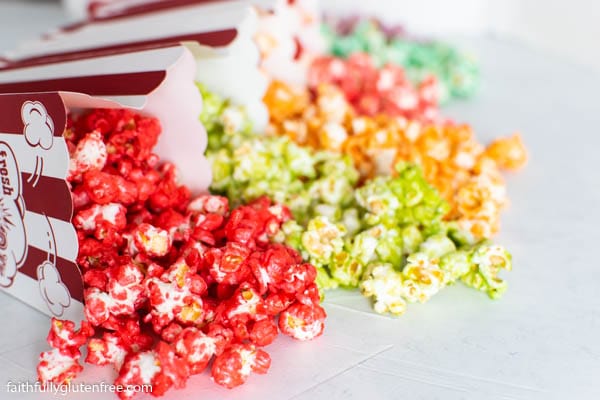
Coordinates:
[38,244]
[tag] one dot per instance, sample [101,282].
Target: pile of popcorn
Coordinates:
[358,181]
[392,235]
[172,282]
[456,71]
[466,173]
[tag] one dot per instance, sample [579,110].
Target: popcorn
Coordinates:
[509,153]
[422,278]
[171,297]
[151,241]
[196,348]
[385,285]
[209,282]
[89,155]
[59,366]
[160,368]
[486,262]
[62,334]
[302,322]
[373,91]
[456,71]
[233,367]
[106,350]
[322,239]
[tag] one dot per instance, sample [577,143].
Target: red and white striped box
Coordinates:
[220,34]
[287,32]
[38,243]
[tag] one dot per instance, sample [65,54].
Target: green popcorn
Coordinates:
[390,248]
[437,246]
[456,264]
[423,278]
[348,266]
[346,270]
[363,246]
[325,281]
[486,262]
[412,237]
[321,240]
[351,221]
[402,200]
[385,285]
[212,108]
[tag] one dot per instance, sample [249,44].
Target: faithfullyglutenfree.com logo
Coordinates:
[81,387]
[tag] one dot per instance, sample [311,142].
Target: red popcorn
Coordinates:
[152,241]
[233,367]
[171,297]
[89,155]
[106,350]
[171,283]
[209,205]
[62,334]
[105,222]
[59,366]
[373,91]
[277,302]
[228,265]
[125,293]
[161,368]
[263,332]
[302,322]
[196,348]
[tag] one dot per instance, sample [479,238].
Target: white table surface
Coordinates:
[541,341]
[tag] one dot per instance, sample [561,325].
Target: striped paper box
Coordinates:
[220,34]
[38,243]
[286,32]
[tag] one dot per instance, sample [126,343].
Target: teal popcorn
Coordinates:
[457,71]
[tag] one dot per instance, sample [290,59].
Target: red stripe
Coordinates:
[213,38]
[69,271]
[10,110]
[127,84]
[51,196]
[95,8]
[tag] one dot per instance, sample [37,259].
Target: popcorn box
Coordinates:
[287,32]
[38,243]
[220,34]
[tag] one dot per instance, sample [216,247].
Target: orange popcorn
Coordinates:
[509,153]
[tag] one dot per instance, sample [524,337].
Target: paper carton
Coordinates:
[220,34]
[38,243]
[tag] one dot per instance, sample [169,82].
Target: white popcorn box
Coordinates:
[220,34]
[38,243]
